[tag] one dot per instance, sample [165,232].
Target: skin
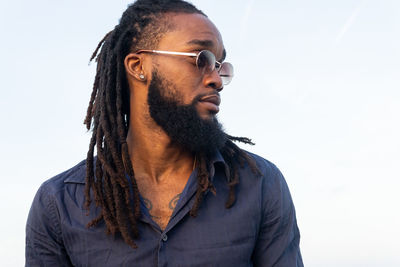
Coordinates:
[162,168]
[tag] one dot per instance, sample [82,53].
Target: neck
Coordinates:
[154,156]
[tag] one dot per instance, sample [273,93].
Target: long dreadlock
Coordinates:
[109,111]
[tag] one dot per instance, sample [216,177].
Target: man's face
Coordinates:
[182,99]
[191,33]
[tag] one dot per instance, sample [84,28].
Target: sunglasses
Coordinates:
[205,62]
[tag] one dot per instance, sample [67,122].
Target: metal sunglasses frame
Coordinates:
[217,65]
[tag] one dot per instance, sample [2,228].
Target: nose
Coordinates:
[213,80]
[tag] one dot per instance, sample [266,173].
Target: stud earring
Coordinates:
[141,76]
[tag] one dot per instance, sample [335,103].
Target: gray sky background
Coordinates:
[317,87]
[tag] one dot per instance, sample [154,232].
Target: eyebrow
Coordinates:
[204,43]
[207,44]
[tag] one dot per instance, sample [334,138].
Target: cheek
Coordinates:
[193,90]
[188,87]
[185,81]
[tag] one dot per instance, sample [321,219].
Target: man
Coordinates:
[168,186]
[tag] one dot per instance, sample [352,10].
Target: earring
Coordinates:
[141,76]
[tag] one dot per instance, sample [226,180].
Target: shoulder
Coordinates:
[75,175]
[269,173]
[272,182]
[278,238]
[57,197]
[266,167]
[52,191]
[54,202]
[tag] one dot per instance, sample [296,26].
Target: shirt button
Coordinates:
[164,237]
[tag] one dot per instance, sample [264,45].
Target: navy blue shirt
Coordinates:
[260,229]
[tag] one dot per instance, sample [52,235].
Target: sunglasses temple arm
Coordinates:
[174,53]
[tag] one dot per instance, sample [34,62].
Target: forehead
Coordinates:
[191,32]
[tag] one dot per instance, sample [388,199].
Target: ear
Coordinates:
[134,66]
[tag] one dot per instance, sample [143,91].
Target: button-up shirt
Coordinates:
[260,229]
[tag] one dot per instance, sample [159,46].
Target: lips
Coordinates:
[214,99]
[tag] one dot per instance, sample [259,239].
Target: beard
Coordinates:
[182,123]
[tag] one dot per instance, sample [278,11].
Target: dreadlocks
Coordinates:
[118,197]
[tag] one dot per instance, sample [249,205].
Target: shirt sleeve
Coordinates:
[279,237]
[44,245]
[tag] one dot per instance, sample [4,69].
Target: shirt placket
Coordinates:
[182,208]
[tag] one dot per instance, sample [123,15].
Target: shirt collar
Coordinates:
[77,174]
[215,160]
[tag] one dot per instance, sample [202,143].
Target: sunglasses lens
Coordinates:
[226,72]
[206,61]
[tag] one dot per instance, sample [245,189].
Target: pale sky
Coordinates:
[317,87]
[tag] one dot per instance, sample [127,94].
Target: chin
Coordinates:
[208,116]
